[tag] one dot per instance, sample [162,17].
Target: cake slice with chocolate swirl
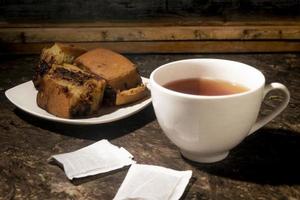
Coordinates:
[70,92]
[59,53]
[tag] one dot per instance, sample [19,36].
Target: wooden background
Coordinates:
[155,26]
[132,9]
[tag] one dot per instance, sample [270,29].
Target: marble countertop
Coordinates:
[264,166]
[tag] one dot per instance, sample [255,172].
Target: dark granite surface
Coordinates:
[264,166]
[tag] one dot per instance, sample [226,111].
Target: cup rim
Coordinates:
[192,96]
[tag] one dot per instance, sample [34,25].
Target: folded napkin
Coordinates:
[97,158]
[148,182]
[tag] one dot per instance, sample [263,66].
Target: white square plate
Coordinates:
[24,97]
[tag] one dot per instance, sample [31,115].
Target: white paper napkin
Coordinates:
[97,158]
[148,182]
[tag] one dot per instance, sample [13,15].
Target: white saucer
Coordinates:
[24,97]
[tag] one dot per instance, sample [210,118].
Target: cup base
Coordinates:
[205,158]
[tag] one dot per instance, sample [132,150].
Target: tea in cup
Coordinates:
[206,107]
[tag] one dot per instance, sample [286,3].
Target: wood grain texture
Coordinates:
[262,167]
[244,19]
[37,10]
[167,47]
[153,26]
[150,33]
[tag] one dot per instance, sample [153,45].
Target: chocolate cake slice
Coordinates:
[67,91]
[59,53]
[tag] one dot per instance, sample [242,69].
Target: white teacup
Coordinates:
[205,128]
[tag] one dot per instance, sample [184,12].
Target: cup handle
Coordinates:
[263,121]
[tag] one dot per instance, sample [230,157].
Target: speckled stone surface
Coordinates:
[264,166]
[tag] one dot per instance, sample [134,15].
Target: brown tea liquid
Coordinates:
[207,87]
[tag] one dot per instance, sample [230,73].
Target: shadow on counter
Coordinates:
[270,156]
[93,132]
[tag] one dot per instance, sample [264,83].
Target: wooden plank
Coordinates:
[169,47]
[77,9]
[36,10]
[160,33]
[239,20]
